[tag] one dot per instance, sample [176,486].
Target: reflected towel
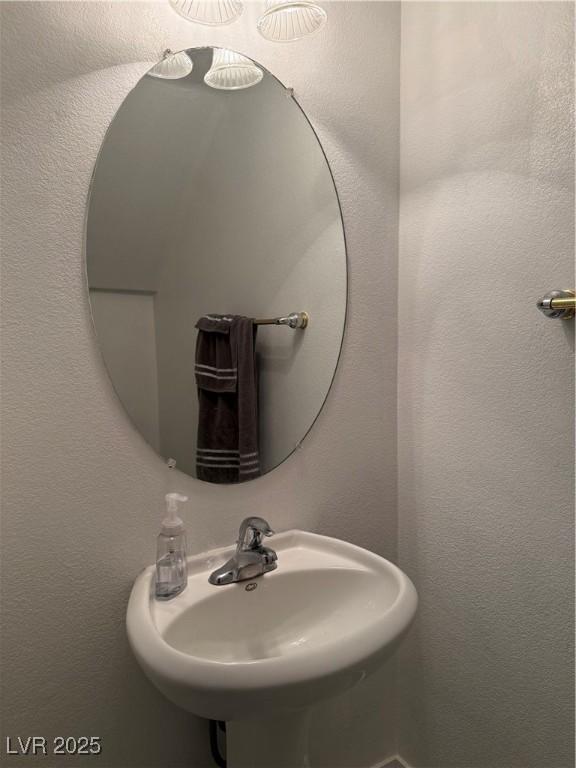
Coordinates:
[227,382]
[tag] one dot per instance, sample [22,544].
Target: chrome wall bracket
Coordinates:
[558,304]
[293,320]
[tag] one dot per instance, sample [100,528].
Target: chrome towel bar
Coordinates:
[558,304]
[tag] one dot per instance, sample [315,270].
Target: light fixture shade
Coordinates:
[287,20]
[230,71]
[210,12]
[173,66]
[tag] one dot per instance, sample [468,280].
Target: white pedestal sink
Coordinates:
[259,653]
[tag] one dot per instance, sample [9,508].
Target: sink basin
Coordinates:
[327,616]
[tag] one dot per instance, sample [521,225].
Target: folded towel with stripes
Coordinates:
[227,445]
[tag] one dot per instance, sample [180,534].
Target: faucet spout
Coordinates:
[251,531]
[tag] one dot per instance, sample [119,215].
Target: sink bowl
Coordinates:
[328,615]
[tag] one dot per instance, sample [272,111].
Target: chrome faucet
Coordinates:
[251,558]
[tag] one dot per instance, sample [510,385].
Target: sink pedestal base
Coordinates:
[280,741]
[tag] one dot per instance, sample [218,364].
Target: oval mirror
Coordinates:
[213,209]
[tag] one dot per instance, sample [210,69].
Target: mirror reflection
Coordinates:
[216,265]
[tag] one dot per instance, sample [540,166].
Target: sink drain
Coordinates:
[251,587]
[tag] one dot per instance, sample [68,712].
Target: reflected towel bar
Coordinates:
[294,320]
[558,304]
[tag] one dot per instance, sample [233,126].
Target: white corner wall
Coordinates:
[486,412]
[486,505]
[82,491]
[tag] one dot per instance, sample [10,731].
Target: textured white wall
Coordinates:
[486,383]
[82,490]
[486,504]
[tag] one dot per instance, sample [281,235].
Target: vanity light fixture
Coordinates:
[286,20]
[282,21]
[210,12]
[173,66]
[230,71]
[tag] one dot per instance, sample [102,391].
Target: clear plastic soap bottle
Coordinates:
[171,565]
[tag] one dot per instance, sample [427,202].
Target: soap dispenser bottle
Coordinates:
[171,565]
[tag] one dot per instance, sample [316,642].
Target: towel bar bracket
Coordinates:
[558,304]
[293,320]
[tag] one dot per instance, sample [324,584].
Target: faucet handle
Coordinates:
[251,531]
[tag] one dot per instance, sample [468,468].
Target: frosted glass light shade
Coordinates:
[230,71]
[173,66]
[287,20]
[210,12]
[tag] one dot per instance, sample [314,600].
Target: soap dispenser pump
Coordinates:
[171,565]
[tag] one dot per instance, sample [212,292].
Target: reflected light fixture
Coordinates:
[230,71]
[286,20]
[210,12]
[173,66]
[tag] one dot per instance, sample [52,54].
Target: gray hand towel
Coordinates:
[226,376]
